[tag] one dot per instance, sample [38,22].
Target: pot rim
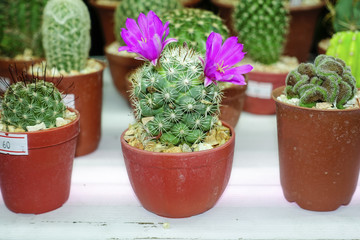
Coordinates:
[278,91]
[188,154]
[307,7]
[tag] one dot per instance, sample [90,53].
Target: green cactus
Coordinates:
[329,79]
[345,45]
[66,34]
[193,26]
[30,102]
[173,93]
[346,15]
[131,9]
[21,27]
[262,27]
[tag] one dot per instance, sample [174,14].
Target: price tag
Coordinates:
[13,144]
[259,89]
[69,100]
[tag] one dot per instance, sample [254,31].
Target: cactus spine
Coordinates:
[262,27]
[345,45]
[132,9]
[21,27]
[173,93]
[327,80]
[193,26]
[66,34]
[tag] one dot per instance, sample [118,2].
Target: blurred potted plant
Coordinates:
[318,123]
[66,40]
[37,145]
[177,105]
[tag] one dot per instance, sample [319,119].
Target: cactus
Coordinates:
[262,27]
[345,45]
[193,26]
[346,15]
[131,9]
[30,102]
[66,34]
[21,27]
[173,93]
[329,79]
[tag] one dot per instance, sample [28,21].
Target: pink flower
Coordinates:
[220,61]
[147,39]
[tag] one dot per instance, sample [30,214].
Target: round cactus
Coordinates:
[262,27]
[174,97]
[131,9]
[329,80]
[66,34]
[193,26]
[30,103]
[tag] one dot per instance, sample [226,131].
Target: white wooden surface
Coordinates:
[102,204]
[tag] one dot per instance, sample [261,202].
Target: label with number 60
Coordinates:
[13,144]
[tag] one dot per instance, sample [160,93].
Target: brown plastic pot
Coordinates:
[319,155]
[40,181]
[178,185]
[258,98]
[232,104]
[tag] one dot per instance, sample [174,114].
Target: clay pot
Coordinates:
[258,98]
[232,104]
[120,68]
[301,31]
[319,155]
[20,64]
[40,181]
[179,185]
[191,3]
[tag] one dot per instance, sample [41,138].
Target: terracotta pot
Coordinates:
[258,98]
[120,68]
[191,3]
[225,12]
[40,181]
[20,64]
[301,32]
[106,15]
[319,155]
[232,104]
[179,185]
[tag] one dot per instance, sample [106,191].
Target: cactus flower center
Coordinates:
[221,67]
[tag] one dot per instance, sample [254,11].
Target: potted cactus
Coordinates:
[66,40]
[20,34]
[318,123]
[178,155]
[121,64]
[37,145]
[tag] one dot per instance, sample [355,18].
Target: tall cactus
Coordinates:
[20,23]
[329,79]
[346,45]
[262,26]
[66,34]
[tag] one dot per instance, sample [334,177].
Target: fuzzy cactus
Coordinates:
[31,102]
[174,94]
[346,15]
[66,34]
[21,27]
[262,27]
[329,80]
[193,26]
[345,45]
[131,9]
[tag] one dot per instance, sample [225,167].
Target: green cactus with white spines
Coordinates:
[20,23]
[132,9]
[346,45]
[66,34]
[329,79]
[346,15]
[193,26]
[31,102]
[262,27]
[173,93]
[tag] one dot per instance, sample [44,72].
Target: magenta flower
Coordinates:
[220,60]
[146,39]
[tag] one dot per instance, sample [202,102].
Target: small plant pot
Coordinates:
[178,185]
[258,98]
[232,104]
[191,3]
[319,154]
[20,64]
[40,181]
